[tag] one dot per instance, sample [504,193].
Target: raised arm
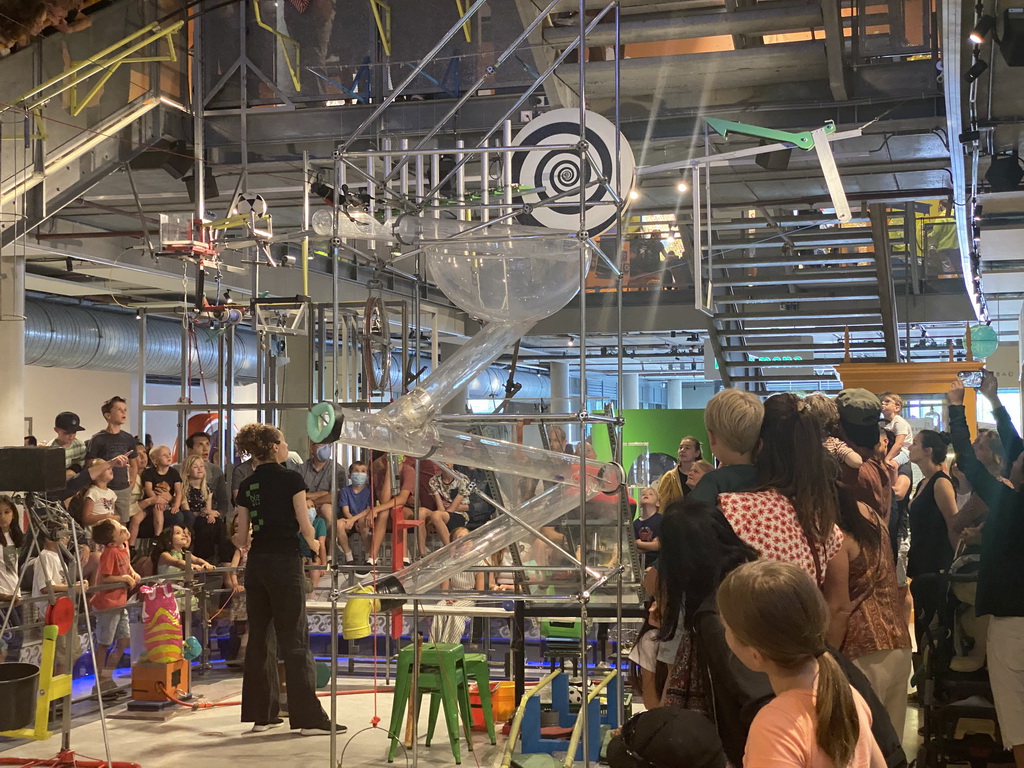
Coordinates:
[988,487]
[1013,446]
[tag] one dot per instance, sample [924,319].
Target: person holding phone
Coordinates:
[273,502]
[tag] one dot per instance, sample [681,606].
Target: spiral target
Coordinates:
[551,178]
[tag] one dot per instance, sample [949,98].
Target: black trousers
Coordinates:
[275,594]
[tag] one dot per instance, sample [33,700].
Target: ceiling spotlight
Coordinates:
[986,23]
[977,69]
[682,187]
[634,194]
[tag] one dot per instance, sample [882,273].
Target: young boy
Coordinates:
[733,419]
[356,499]
[112,623]
[163,478]
[49,574]
[899,452]
[320,556]
[647,527]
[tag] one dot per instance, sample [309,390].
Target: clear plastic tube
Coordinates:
[492,537]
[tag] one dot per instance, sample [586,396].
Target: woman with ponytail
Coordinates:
[792,517]
[776,622]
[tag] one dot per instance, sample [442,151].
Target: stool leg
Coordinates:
[451,720]
[467,712]
[402,684]
[435,704]
[483,685]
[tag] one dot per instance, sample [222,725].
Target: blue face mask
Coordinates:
[324,453]
[312,514]
[358,478]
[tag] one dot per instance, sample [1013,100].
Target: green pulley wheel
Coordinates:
[323,423]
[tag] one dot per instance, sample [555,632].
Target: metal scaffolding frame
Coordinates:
[417,171]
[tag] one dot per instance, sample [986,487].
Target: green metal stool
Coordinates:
[479,671]
[442,675]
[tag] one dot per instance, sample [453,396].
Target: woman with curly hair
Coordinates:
[271,514]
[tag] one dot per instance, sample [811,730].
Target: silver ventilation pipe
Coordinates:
[69,336]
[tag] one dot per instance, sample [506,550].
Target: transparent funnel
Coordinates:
[501,273]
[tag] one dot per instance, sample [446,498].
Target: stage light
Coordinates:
[977,69]
[986,23]
[1004,174]
[634,194]
[682,187]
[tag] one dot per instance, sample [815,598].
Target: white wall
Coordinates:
[48,391]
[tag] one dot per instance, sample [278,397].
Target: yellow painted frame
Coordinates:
[114,64]
[382,15]
[467,30]
[293,70]
[51,688]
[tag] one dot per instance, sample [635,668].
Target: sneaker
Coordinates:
[262,727]
[321,730]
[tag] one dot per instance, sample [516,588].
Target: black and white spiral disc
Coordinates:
[551,177]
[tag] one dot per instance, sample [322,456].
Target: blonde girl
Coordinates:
[776,622]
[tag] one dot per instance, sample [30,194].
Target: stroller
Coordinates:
[959,718]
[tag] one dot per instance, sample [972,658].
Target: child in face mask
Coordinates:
[308,557]
[356,500]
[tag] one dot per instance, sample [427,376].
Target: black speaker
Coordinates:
[773,161]
[32,468]
[1011,45]
[1005,173]
[209,188]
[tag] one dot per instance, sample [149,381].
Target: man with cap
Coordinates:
[860,415]
[67,426]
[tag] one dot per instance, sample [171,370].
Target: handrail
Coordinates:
[577,729]
[517,720]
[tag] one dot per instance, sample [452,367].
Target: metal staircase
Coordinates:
[783,301]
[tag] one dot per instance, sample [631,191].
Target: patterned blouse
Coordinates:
[767,521]
[449,488]
[876,622]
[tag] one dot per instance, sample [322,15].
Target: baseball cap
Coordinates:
[667,737]
[68,421]
[859,407]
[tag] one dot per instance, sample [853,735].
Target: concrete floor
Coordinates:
[213,738]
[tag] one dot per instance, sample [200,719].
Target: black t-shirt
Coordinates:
[161,483]
[106,446]
[648,530]
[267,493]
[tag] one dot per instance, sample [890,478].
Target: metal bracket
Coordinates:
[802,140]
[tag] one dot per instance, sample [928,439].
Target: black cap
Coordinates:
[667,737]
[68,421]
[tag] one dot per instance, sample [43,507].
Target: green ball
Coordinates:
[984,341]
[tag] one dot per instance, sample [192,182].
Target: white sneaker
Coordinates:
[263,727]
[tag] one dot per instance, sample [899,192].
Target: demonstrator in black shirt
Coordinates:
[273,500]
